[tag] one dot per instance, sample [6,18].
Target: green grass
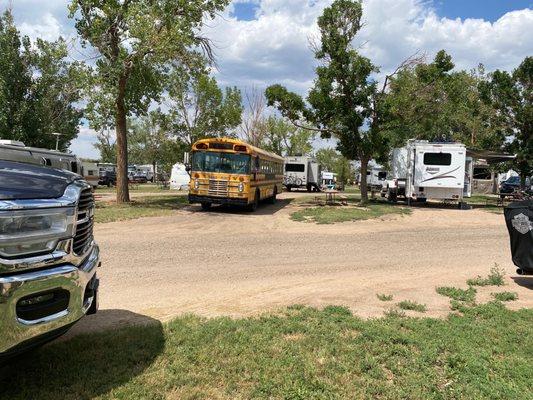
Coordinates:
[141,188]
[385,297]
[468,295]
[505,296]
[302,353]
[153,206]
[412,305]
[495,278]
[333,214]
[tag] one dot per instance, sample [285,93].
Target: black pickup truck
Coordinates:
[48,257]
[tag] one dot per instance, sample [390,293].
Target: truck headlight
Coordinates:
[34,231]
[241,187]
[196,184]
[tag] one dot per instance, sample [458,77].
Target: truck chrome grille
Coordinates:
[84,225]
[218,187]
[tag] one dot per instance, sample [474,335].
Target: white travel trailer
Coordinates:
[423,170]
[12,150]
[179,177]
[90,173]
[375,177]
[302,172]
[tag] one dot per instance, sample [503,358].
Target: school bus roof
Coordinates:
[251,149]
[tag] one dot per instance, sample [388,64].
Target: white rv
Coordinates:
[179,177]
[375,177]
[302,172]
[423,170]
[12,150]
[90,173]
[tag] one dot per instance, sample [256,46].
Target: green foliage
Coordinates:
[434,102]
[38,89]
[301,353]
[200,109]
[340,101]
[283,138]
[511,96]
[412,305]
[384,297]
[468,295]
[495,278]
[505,296]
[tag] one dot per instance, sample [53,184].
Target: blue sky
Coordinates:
[261,42]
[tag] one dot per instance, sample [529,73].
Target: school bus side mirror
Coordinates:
[188,167]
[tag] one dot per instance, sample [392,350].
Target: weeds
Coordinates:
[495,278]
[505,296]
[468,295]
[412,306]
[384,297]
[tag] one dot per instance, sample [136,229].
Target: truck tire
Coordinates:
[309,188]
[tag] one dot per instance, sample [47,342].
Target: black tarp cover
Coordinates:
[519,220]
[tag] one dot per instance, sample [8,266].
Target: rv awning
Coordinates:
[491,157]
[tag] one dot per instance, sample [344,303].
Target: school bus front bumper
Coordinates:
[194,198]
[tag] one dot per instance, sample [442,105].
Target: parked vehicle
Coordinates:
[137,177]
[423,170]
[90,173]
[375,177]
[329,180]
[302,172]
[11,150]
[228,171]
[148,171]
[48,257]
[513,184]
[179,177]
[107,178]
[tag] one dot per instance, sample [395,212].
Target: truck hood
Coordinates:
[20,181]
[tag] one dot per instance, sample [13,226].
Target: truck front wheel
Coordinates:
[392,195]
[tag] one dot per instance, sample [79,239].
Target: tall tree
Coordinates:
[332,161]
[511,95]
[339,103]
[200,109]
[39,89]
[106,146]
[253,126]
[283,138]
[434,102]
[137,41]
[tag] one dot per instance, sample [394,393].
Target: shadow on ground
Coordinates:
[524,281]
[89,364]
[264,208]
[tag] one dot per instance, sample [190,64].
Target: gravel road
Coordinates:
[228,262]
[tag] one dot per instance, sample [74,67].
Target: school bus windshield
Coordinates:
[228,163]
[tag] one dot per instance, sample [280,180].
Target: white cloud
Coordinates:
[274,47]
[83,145]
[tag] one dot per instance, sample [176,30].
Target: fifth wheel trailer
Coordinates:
[302,172]
[424,170]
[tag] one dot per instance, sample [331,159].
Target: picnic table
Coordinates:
[331,195]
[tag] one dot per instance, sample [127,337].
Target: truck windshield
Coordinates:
[221,162]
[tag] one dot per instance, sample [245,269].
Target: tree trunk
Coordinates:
[123,194]
[364,187]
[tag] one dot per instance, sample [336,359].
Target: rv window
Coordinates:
[74,166]
[48,162]
[382,175]
[437,159]
[294,167]
[90,173]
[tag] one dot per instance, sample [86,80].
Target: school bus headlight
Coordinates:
[196,184]
[241,187]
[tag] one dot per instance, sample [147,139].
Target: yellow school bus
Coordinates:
[228,171]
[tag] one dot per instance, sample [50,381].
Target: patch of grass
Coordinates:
[154,206]
[384,297]
[141,188]
[333,214]
[505,296]
[302,353]
[468,295]
[412,305]
[495,278]
[394,313]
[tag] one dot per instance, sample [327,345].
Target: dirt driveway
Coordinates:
[228,262]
